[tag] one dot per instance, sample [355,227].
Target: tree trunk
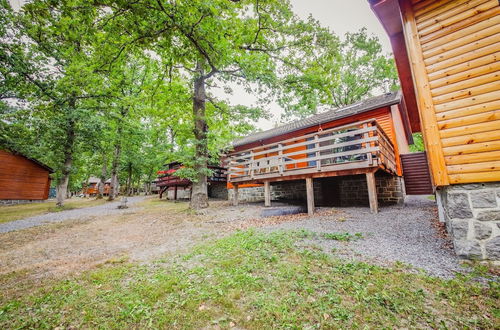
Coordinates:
[62,182]
[129,180]
[113,189]
[199,192]
[104,173]
[114,185]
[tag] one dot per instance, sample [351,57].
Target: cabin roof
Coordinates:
[389,15]
[324,117]
[39,163]
[93,179]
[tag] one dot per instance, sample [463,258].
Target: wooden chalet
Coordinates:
[363,138]
[447,54]
[168,181]
[91,187]
[22,178]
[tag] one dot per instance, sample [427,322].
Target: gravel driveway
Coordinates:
[396,233]
[100,210]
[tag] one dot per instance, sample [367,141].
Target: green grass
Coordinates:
[16,212]
[254,280]
[345,237]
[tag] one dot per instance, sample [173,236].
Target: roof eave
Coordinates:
[396,100]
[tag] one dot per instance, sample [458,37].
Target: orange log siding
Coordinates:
[454,47]
[382,115]
[22,179]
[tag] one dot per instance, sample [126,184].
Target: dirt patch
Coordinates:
[157,228]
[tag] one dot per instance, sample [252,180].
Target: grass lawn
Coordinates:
[253,280]
[16,212]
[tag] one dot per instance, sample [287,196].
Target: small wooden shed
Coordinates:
[22,178]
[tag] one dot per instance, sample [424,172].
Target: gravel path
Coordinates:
[100,210]
[396,233]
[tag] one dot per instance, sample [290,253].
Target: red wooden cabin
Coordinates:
[364,138]
[91,188]
[23,178]
[168,181]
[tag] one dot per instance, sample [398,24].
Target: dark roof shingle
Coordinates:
[324,117]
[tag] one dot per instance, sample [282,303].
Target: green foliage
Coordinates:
[418,143]
[346,237]
[254,280]
[348,71]
[97,87]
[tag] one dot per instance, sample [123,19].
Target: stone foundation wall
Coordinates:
[354,190]
[248,194]
[181,193]
[472,216]
[20,201]
[217,190]
[280,191]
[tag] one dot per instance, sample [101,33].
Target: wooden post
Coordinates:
[235,198]
[267,193]
[175,193]
[251,165]
[280,159]
[372,192]
[368,145]
[318,154]
[310,196]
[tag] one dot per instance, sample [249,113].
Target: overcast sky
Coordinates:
[340,16]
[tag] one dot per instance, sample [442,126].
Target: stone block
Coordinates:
[483,199]
[493,215]
[458,206]
[468,249]
[471,186]
[459,229]
[493,248]
[482,231]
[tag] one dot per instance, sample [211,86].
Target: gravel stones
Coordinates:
[100,210]
[397,233]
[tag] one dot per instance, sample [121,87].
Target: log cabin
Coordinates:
[22,179]
[91,187]
[176,187]
[447,55]
[349,155]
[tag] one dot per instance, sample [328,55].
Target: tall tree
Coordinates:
[245,42]
[346,72]
[50,54]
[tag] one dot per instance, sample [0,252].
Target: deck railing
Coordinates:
[358,145]
[218,175]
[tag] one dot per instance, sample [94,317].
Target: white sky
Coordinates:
[340,16]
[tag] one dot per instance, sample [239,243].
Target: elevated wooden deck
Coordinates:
[351,149]
[358,148]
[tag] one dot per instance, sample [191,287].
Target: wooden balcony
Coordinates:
[360,147]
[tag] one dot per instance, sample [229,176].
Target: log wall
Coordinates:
[22,179]
[454,50]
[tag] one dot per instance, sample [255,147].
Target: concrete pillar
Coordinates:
[310,196]
[372,192]
[235,197]
[267,193]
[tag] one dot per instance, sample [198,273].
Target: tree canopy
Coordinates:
[116,88]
